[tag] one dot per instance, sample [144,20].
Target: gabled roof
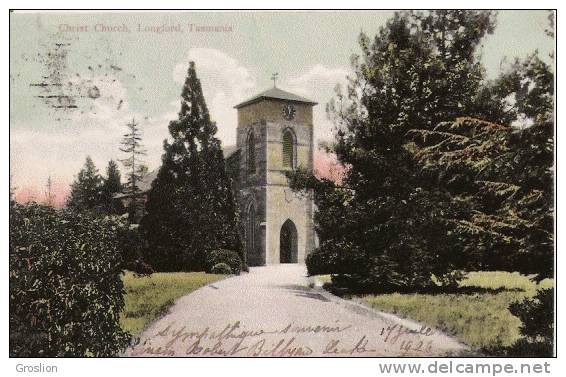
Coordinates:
[275,93]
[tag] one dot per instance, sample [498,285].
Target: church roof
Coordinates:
[277,94]
[144,185]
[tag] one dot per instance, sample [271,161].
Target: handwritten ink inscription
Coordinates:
[293,340]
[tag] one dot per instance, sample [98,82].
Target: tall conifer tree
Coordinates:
[132,147]
[86,189]
[190,209]
[111,186]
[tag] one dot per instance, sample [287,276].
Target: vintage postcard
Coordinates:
[282,184]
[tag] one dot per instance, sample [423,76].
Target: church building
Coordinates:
[274,136]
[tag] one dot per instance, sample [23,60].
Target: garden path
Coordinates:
[276,311]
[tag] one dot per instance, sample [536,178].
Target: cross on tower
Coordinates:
[274,79]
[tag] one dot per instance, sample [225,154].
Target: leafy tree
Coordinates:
[86,189]
[190,209]
[111,186]
[132,147]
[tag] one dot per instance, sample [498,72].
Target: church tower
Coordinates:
[274,136]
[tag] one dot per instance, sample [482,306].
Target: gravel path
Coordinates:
[272,311]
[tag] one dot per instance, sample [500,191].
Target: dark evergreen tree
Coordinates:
[86,190]
[112,185]
[132,147]
[501,174]
[501,179]
[424,197]
[190,209]
[421,69]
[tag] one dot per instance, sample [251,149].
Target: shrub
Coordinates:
[221,269]
[66,292]
[131,245]
[354,270]
[335,257]
[229,257]
[537,317]
[319,262]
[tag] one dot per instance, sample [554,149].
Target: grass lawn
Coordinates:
[479,319]
[148,298]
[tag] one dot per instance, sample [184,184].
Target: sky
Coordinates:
[77,79]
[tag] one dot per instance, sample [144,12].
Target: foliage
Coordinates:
[425,197]
[132,245]
[86,190]
[66,291]
[419,70]
[501,181]
[537,329]
[527,89]
[132,147]
[228,257]
[190,208]
[149,297]
[111,186]
[476,313]
[221,268]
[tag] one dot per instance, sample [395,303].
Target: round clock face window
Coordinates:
[289,112]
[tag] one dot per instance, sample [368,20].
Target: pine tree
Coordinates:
[112,185]
[190,209]
[132,147]
[86,189]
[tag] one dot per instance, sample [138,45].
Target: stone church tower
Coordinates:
[274,135]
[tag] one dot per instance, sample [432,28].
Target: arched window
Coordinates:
[251,153]
[288,149]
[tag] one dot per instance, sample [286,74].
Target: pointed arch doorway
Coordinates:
[288,246]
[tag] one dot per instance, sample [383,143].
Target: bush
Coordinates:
[356,271]
[131,245]
[221,269]
[537,317]
[66,292]
[229,257]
